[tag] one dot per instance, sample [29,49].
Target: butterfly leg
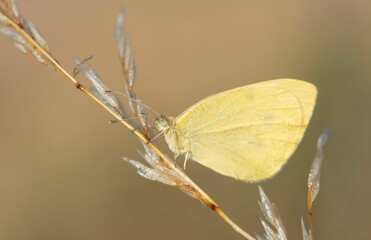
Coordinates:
[175,157]
[185,160]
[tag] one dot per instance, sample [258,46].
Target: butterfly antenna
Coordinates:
[133,99]
[114,121]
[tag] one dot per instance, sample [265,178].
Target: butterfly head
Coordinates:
[163,122]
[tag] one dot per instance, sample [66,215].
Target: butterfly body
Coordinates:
[177,140]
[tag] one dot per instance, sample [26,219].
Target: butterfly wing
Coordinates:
[248,133]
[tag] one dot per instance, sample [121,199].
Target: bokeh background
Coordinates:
[61,176]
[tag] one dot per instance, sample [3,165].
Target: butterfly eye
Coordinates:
[161,122]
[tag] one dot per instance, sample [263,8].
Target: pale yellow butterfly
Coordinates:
[247,133]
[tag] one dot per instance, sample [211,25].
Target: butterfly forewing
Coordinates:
[249,132]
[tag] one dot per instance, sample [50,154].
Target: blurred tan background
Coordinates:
[61,176]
